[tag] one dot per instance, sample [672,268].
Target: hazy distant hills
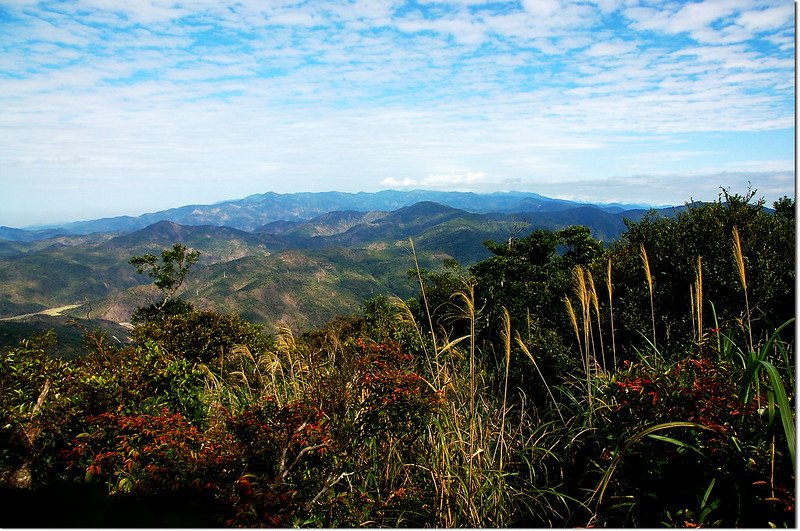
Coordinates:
[255,211]
[300,270]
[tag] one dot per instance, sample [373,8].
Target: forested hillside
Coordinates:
[345,257]
[257,210]
[556,380]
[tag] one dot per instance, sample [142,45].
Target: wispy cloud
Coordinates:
[672,189]
[447,181]
[356,94]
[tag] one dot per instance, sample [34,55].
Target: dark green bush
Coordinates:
[203,336]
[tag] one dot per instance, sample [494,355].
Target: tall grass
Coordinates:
[583,349]
[506,336]
[610,289]
[472,443]
[739,257]
[468,298]
[599,491]
[596,305]
[649,277]
[753,362]
[697,300]
[584,300]
[425,301]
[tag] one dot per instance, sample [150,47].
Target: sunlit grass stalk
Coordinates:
[275,367]
[220,393]
[574,320]
[582,294]
[596,306]
[470,486]
[506,333]
[425,302]
[772,466]
[406,315]
[583,351]
[609,287]
[739,256]
[693,308]
[468,296]
[288,347]
[698,299]
[646,264]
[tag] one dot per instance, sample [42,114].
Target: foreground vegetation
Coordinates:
[556,383]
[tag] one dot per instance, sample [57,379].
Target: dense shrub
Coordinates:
[152,454]
[202,336]
[707,462]
[673,245]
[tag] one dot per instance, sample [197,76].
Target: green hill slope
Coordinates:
[299,274]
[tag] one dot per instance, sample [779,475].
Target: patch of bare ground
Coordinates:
[120,307]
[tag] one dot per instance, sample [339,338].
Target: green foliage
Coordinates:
[69,332]
[531,276]
[26,376]
[673,246]
[780,376]
[160,311]
[387,319]
[784,209]
[170,271]
[710,432]
[202,336]
[45,400]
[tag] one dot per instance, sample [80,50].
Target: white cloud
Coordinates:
[361,92]
[713,21]
[771,18]
[542,8]
[671,189]
[447,181]
[615,48]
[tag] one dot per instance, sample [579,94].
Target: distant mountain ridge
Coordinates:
[299,273]
[255,211]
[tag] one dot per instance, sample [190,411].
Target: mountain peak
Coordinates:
[258,210]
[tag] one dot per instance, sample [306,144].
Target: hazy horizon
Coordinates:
[109,109]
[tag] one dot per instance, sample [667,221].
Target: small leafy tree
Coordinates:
[169,274]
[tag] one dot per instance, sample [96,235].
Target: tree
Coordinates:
[169,275]
[531,275]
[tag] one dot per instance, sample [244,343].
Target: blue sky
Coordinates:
[111,107]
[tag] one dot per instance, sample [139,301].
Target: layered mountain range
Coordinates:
[255,211]
[294,260]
